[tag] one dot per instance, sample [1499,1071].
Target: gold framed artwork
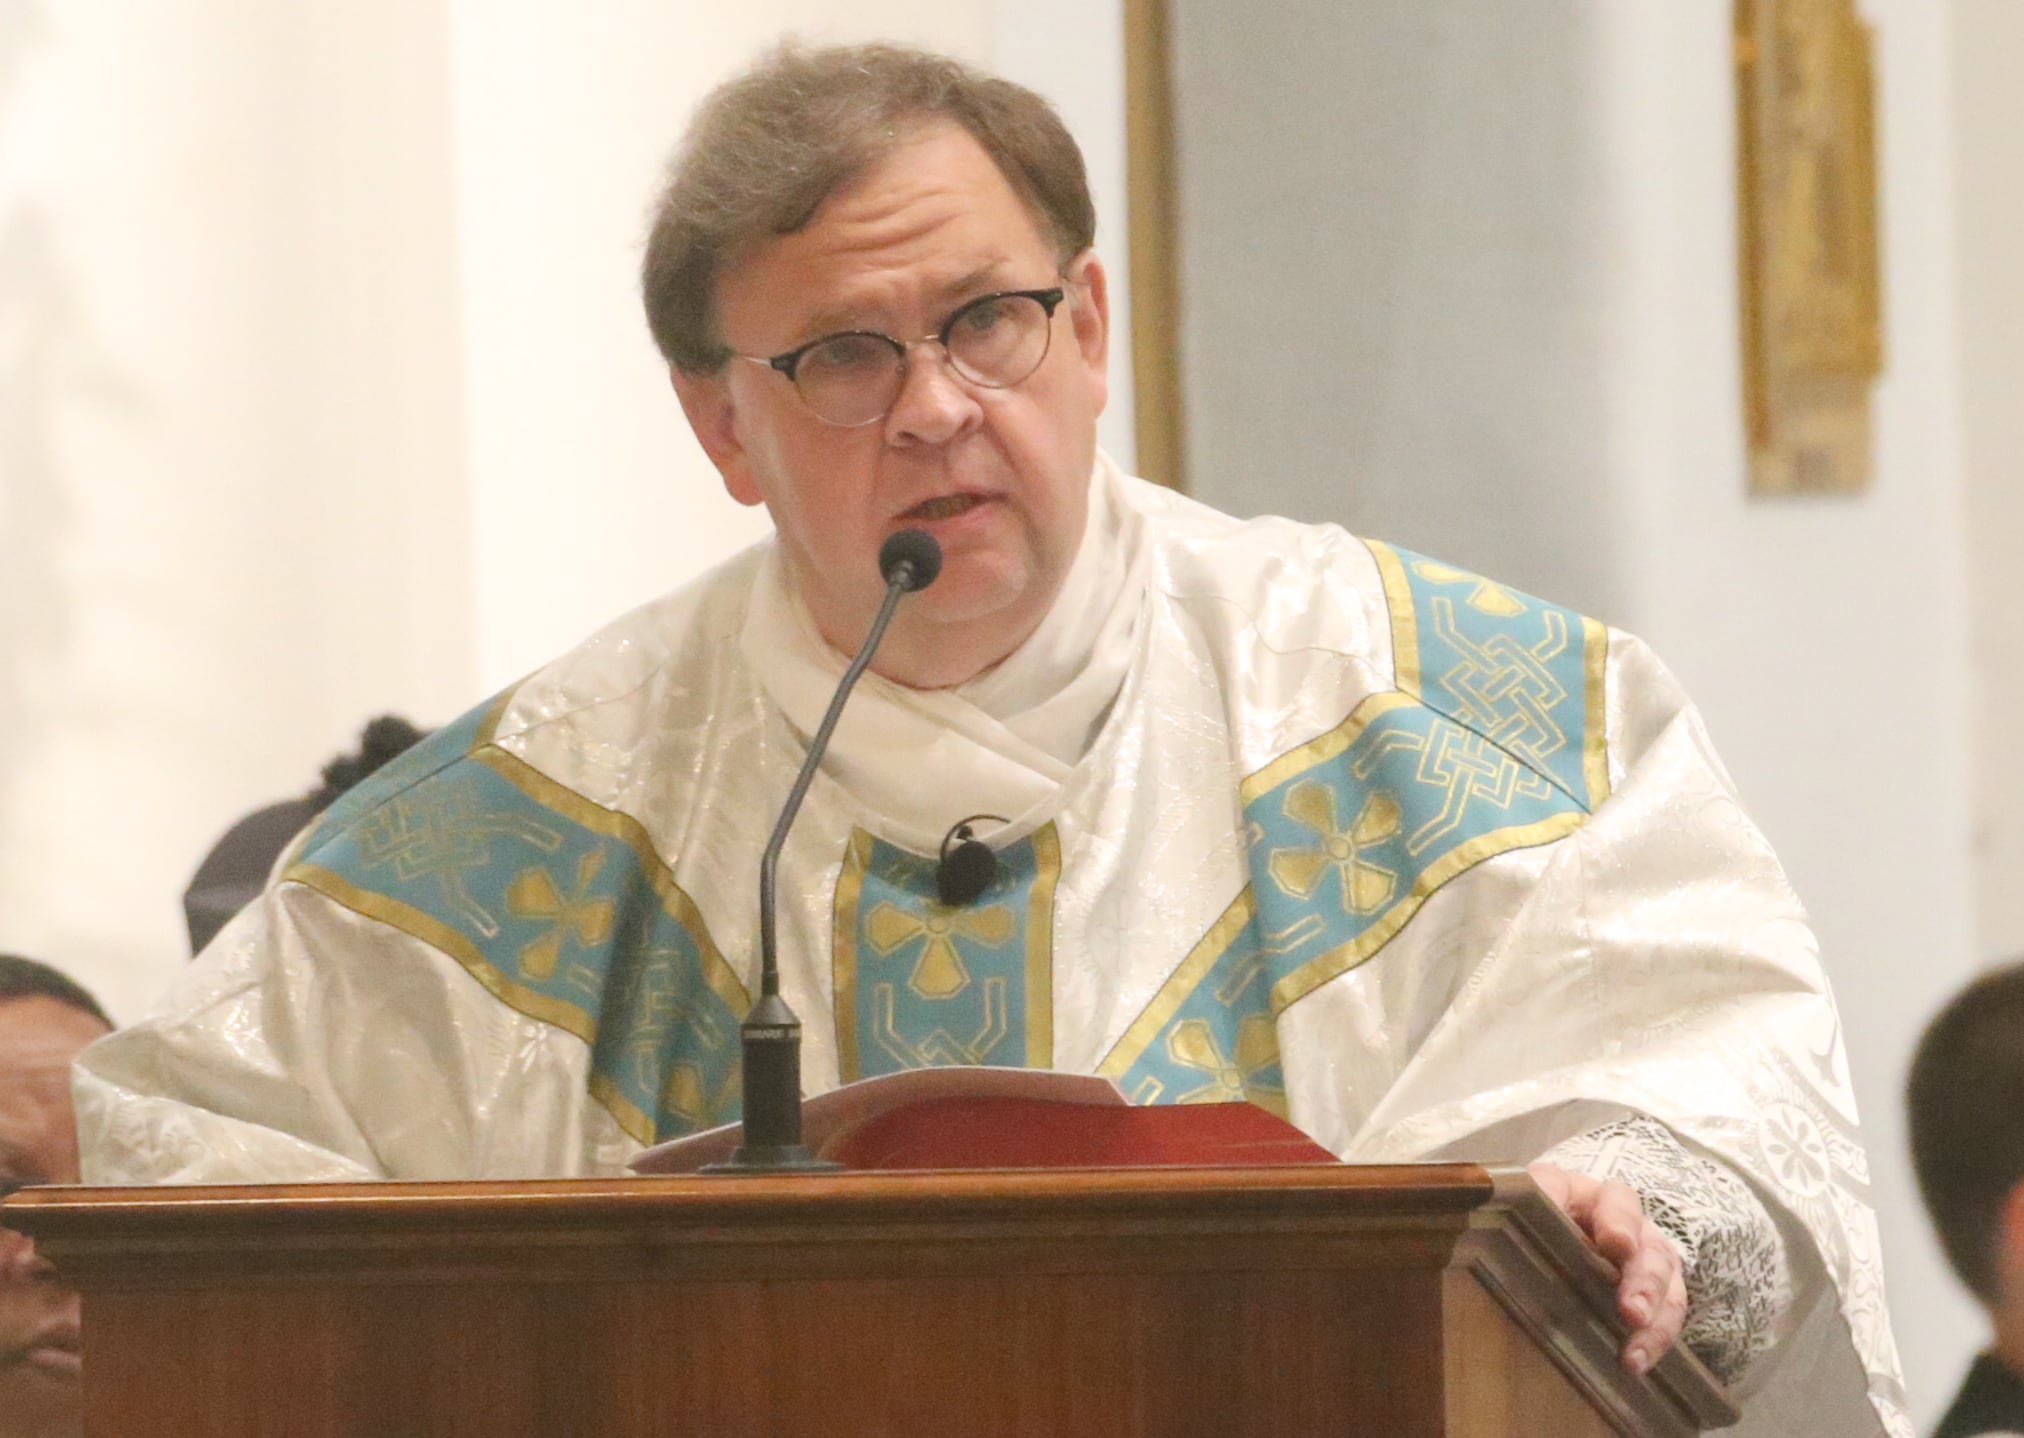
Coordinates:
[1812,303]
[1151,183]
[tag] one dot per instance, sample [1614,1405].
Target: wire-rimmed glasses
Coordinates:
[854,377]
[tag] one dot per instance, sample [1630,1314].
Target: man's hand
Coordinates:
[1651,1291]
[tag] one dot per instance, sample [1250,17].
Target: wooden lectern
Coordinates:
[1407,1302]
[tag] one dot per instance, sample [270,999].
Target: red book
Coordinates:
[957,1118]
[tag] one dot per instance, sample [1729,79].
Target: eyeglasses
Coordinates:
[855,377]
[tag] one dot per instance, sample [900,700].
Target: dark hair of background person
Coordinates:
[1965,1099]
[236,869]
[766,149]
[29,979]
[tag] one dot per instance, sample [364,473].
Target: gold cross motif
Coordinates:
[533,895]
[1234,1079]
[1366,887]
[939,973]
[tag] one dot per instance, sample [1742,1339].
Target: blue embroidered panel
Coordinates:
[1521,672]
[560,907]
[437,750]
[920,984]
[1347,836]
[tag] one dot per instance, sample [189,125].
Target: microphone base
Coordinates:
[772,1158]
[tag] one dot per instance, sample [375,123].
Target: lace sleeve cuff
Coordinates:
[1739,1283]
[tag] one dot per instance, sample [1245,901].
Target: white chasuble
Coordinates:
[1435,868]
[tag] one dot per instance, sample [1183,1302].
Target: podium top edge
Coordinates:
[54,1212]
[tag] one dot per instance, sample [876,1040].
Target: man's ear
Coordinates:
[713,415]
[1089,313]
[2010,1240]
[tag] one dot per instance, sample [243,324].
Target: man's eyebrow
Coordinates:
[976,281]
[843,319]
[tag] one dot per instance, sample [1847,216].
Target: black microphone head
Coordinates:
[912,553]
[965,872]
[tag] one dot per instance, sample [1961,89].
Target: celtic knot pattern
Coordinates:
[1524,674]
[1461,768]
[1349,836]
[443,831]
[665,1038]
[1504,689]
[470,839]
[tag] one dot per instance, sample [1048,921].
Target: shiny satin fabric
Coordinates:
[1646,957]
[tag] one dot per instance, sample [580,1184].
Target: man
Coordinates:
[45,1020]
[1434,867]
[1967,1131]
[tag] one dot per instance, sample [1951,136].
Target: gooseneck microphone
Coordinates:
[771,1034]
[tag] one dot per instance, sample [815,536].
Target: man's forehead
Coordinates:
[933,223]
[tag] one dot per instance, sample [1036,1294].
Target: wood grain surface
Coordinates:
[1386,1301]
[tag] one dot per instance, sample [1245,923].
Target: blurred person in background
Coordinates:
[237,868]
[1966,1097]
[46,1019]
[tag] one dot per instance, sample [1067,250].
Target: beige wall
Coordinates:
[231,449]
[1487,305]
[1989,117]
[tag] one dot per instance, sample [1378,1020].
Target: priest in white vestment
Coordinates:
[1433,867]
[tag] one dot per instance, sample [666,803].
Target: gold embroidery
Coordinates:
[1192,1044]
[1179,985]
[1040,948]
[442,831]
[875,1014]
[532,895]
[1595,749]
[1405,624]
[1486,598]
[717,973]
[433,931]
[843,953]
[1295,762]
[940,1047]
[1318,971]
[939,973]
[1366,886]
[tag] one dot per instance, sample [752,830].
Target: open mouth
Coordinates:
[945,506]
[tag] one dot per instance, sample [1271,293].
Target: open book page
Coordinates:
[826,1115]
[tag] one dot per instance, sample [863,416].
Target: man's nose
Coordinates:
[934,404]
[19,1262]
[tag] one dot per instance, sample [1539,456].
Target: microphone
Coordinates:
[910,559]
[961,876]
[771,1034]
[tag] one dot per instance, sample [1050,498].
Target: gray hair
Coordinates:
[766,149]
